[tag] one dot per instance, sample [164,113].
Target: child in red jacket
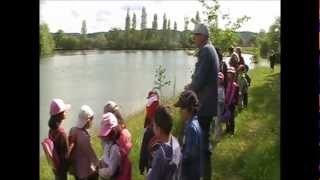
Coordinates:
[148,134]
[231,98]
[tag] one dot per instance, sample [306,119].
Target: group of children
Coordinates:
[162,156]
[233,85]
[74,153]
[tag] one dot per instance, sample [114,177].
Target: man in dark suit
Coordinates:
[204,84]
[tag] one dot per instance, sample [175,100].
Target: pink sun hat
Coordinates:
[108,122]
[57,106]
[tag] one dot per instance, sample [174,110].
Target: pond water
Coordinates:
[94,77]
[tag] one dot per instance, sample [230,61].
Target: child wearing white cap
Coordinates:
[84,161]
[231,98]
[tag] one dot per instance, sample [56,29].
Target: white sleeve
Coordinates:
[104,172]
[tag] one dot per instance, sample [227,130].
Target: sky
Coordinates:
[102,15]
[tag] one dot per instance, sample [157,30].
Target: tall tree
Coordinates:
[100,41]
[84,43]
[46,40]
[175,26]
[186,23]
[274,35]
[169,25]
[196,20]
[198,17]
[134,21]
[59,38]
[155,22]
[264,44]
[84,28]
[164,26]
[223,37]
[143,18]
[127,27]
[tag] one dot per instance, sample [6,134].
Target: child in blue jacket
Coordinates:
[192,163]
[166,151]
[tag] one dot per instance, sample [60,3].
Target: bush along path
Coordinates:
[253,153]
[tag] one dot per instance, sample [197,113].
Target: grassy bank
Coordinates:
[249,50]
[253,153]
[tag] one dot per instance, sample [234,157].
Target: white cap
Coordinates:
[85,113]
[111,106]
[201,29]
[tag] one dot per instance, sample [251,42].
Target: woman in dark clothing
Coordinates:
[241,60]
[272,60]
[222,65]
[58,136]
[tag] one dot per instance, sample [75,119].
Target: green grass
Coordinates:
[252,153]
[249,50]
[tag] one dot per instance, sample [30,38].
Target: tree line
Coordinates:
[152,38]
[166,37]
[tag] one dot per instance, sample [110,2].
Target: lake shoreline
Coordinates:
[151,49]
[89,78]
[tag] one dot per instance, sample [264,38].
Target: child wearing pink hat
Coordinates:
[124,141]
[109,134]
[231,98]
[221,99]
[58,136]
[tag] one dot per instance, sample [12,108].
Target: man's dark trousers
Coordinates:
[205,123]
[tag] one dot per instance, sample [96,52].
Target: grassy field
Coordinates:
[252,153]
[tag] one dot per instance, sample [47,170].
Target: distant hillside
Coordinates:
[246,36]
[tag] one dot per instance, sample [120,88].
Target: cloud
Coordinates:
[132,7]
[102,15]
[75,14]
[42,2]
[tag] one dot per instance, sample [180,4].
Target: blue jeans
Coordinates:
[205,122]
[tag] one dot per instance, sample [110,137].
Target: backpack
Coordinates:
[50,153]
[172,167]
[244,85]
[248,79]
[226,115]
[229,100]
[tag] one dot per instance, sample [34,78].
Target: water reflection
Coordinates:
[93,77]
